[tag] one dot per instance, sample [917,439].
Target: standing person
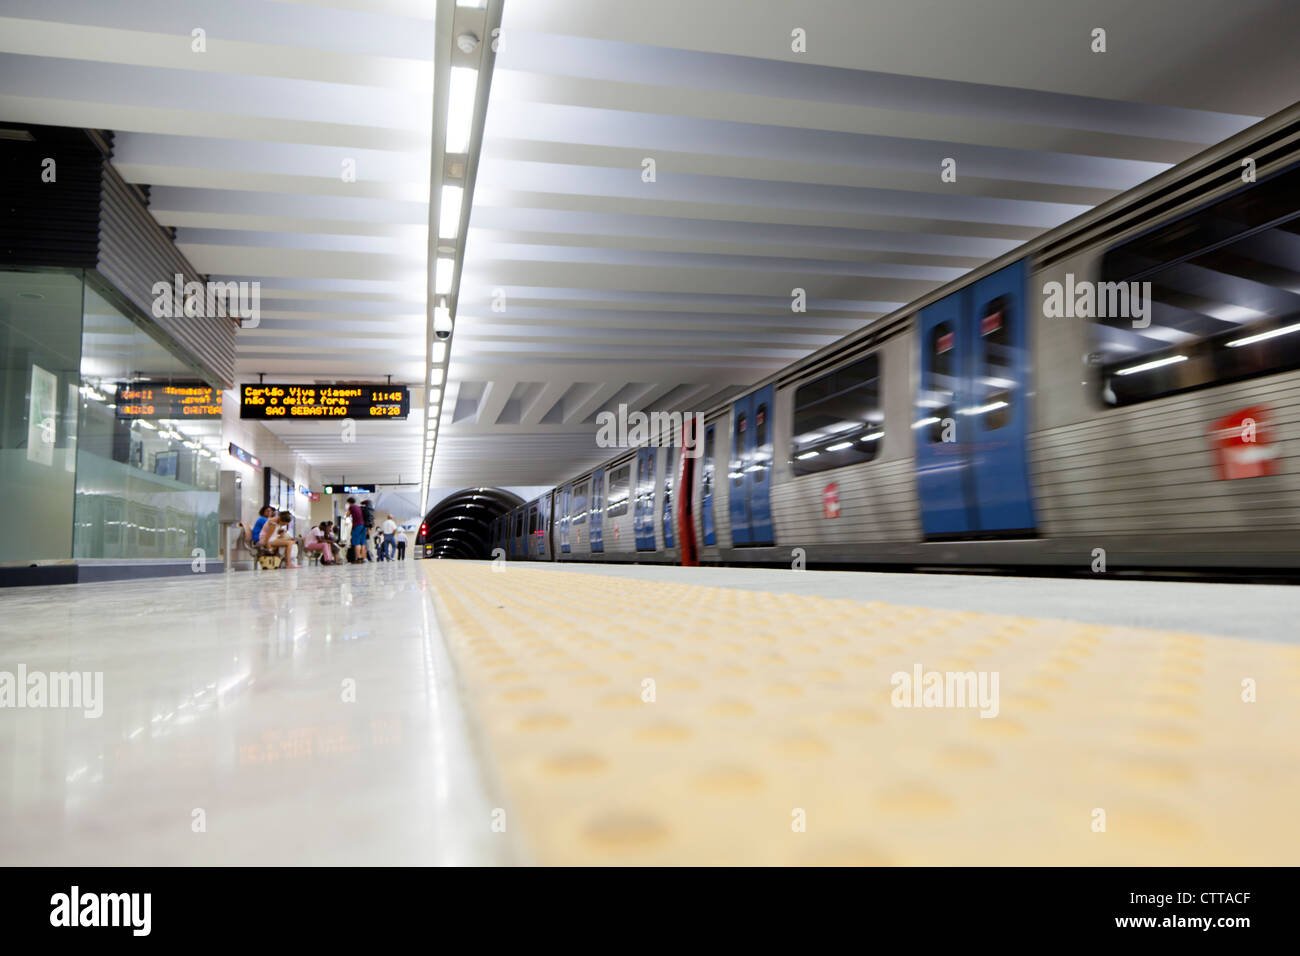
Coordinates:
[358,529]
[275,535]
[401,544]
[368,519]
[390,537]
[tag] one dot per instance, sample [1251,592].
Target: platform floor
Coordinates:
[648,715]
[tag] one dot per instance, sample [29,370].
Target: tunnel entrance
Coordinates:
[459,526]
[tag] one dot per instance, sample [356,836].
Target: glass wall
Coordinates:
[147,467]
[40,347]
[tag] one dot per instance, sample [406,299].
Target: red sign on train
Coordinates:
[1243,444]
[831,501]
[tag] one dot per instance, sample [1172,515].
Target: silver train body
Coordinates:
[1091,443]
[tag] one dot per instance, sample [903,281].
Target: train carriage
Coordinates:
[1123,390]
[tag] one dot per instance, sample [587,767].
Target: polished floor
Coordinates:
[226,737]
[431,712]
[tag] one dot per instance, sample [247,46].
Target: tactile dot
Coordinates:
[844,853]
[731,708]
[574,763]
[965,758]
[542,722]
[802,745]
[728,780]
[913,800]
[523,694]
[624,830]
[665,732]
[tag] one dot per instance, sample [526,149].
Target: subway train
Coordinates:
[1122,392]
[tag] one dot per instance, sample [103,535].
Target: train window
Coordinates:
[940,386]
[998,376]
[706,471]
[519,523]
[1208,298]
[737,474]
[760,440]
[620,484]
[532,521]
[838,420]
[579,503]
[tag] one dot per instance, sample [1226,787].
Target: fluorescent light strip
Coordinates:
[449,211]
[1147,366]
[1273,333]
[442,275]
[840,446]
[462,89]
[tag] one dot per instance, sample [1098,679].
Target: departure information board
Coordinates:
[167,400]
[272,402]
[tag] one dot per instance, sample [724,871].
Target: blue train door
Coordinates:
[566,498]
[750,473]
[668,496]
[643,520]
[596,533]
[706,489]
[971,416]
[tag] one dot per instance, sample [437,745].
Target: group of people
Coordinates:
[389,538]
[272,532]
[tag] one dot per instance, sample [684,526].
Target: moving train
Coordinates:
[1121,392]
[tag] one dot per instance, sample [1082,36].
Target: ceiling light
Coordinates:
[461,92]
[449,211]
[442,278]
[438,354]
[1146,366]
[435,376]
[840,446]
[808,454]
[474,4]
[435,396]
[1272,333]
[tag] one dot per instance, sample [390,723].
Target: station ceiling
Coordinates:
[584,285]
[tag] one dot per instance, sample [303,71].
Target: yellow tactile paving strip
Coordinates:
[767,704]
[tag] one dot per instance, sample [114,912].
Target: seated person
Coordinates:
[255,536]
[318,540]
[276,536]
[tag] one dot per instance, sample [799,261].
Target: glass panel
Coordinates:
[40,339]
[738,451]
[620,480]
[154,477]
[996,384]
[580,503]
[838,420]
[939,390]
[1223,303]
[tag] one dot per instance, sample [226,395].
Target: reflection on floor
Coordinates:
[283,717]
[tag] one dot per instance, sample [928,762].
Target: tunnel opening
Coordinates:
[459,526]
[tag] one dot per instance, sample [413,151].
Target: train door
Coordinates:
[596,533]
[643,519]
[706,489]
[751,469]
[971,427]
[669,476]
[566,498]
